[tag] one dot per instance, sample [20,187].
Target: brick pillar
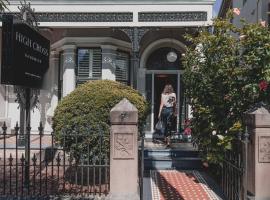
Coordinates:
[124,152]
[258,170]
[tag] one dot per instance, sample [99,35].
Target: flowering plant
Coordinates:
[187,129]
[224,77]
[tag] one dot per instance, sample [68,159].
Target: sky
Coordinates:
[216,7]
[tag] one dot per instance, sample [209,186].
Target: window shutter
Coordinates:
[89,65]
[122,67]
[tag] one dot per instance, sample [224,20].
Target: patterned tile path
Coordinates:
[180,185]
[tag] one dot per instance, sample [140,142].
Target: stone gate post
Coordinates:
[124,152]
[258,169]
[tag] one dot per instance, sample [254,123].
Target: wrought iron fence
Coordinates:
[141,162]
[44,167]
[234,169]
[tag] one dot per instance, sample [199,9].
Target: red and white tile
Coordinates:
[180,185]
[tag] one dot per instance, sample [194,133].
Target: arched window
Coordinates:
[158,60]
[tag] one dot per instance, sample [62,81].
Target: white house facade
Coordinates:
[139,43]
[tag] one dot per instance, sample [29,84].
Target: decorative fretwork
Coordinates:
[135,35]
[85,17]
[172,16]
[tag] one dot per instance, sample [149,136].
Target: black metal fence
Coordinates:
[234,169]
[141,162]
[44,167]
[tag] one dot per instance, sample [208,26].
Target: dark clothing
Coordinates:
[166,118]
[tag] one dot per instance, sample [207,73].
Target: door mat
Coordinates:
[180,185]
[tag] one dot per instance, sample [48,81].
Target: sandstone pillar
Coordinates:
[124,152]
[258,170]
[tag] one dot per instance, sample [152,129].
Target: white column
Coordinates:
[69,77]
[108,62]
[141,81]
[54,89]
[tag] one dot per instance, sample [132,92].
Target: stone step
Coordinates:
[170,153]
[167,162]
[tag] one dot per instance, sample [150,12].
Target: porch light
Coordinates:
[171,56]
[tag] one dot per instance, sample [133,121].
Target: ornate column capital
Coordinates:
[135,35]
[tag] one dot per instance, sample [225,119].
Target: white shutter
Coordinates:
[122,67]
[89,65]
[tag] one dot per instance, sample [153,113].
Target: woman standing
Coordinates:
[166,111]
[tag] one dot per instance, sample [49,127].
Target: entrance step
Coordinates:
[169,153]
[160,163]
[179,156]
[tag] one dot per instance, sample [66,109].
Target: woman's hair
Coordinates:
[168,89]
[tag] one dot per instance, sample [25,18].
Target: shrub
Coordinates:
[86,111]
[226,73]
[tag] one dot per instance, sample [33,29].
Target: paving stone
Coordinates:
[180,185]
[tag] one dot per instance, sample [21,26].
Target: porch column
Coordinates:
[135,65]
[69,77]
[141,81]
[135,35]
[53,90]
[108,62]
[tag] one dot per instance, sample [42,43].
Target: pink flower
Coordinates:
[236,11]
[187,131]
[263,85]
[263,23]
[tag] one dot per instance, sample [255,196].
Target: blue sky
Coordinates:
[216,7]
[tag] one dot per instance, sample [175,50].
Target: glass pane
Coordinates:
[148,92]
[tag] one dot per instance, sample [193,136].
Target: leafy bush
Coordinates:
[81,116]
[227,71]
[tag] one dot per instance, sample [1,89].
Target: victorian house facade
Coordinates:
[139,43]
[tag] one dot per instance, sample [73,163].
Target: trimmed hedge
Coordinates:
[86,111]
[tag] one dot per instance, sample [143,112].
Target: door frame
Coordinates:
[156,72]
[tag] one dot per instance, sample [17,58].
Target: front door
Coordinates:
[154,85]
[160,81]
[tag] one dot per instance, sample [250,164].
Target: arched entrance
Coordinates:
[155,72]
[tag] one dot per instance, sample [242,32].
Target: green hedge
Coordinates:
[86,111]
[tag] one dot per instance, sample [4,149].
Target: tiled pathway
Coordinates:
[180,185]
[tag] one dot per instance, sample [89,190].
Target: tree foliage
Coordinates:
[227,71]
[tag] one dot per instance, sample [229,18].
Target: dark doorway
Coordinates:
[160,81]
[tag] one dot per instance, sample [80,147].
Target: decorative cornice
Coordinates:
[172,16]
[85,17]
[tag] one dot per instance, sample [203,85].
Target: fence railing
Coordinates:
[47,166]
[234,169]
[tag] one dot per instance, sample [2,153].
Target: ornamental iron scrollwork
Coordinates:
[21,97]
[85,17]
[135,35]
[27,14]
[172,16]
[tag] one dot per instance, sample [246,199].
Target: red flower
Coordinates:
[263,85]
[187,131]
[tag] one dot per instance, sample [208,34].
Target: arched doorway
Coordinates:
[157,71]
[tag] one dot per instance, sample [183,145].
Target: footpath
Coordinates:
[176,173]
